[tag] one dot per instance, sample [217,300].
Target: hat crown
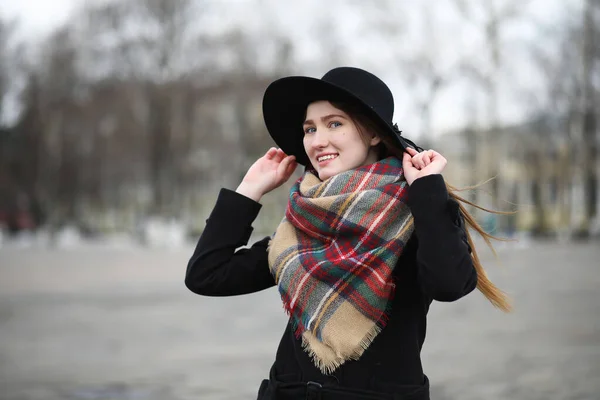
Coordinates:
[368,88]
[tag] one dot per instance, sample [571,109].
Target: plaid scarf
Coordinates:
[333,255]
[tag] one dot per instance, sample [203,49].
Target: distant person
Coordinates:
[370,237]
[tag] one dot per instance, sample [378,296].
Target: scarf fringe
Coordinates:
[330,366]
[365,342]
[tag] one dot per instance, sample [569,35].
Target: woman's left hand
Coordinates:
[417,165]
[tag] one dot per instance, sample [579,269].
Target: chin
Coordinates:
[326,175]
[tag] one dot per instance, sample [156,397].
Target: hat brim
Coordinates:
[284,110]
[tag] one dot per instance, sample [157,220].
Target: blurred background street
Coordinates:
[104,323]
[120,120]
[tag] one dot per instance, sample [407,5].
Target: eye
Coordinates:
[309,130]
[335,124]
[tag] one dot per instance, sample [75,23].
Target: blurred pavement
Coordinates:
[117,323]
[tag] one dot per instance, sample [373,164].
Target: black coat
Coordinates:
[435,265]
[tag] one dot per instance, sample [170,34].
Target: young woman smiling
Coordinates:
[370,237]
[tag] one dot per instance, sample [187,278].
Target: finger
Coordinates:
[407,161]
[280,155]
[291,168]
[283,167]
[426,159]
[433,154]
[271,153]
[437,157]
[290,160]
[418,161]
[412,151]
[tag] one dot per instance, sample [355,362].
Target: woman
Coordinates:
[370,237]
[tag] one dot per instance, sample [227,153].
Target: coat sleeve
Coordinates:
[218,267]
[445,267]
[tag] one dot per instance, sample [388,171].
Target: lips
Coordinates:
[322,158]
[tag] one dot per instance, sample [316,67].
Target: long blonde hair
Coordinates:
[389,148]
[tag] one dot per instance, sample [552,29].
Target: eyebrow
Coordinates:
[325,118]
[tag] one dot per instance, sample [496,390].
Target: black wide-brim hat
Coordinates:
[286,99]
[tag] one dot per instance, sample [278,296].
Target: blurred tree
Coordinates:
[59,123]
[148,105]
[8,184]
[589,111]
[6,33]
[427,72]
[571,94]
[46,156]
[31,161]
[148,44]
[166,23]
[490,19]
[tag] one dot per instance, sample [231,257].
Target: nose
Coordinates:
[320,139]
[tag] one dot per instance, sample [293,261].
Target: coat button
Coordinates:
[313,391]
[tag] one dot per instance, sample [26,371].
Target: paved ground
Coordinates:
[94,323]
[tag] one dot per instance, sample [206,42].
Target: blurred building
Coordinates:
[536,168]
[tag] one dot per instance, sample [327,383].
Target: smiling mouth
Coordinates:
[326,158]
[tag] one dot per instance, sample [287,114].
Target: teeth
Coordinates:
[329,157]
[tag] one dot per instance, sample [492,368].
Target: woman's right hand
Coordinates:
[267,173]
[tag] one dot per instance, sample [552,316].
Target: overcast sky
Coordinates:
[38,17]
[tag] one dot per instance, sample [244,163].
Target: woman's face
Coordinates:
[333,142]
